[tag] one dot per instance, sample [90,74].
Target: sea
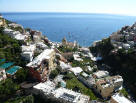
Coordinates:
[84,28]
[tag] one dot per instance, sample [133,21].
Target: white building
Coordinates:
[77,57]
[46,87]
[14,25]
[28,52]
[28,48]
[2,74]
[27,56]
[41,45]
[90,68]
[15,34]
[101,74]
[45,55]
[70,96]
[76,70]
[126,46]
[20,36]
[119,98]
[8,31]
[64,66]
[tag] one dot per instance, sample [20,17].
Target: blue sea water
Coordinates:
[84,28]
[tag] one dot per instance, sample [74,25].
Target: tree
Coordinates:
[53,74]
[7,88]
[21,75]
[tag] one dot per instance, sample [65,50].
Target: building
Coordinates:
[64,66]
[76,70]
[119,98]
[45,88]
[15,34]
[41,45]
[61,94]
[3,75]
[100,74]
[41,66]
[86,79]
[70,96]
[20,36]
[36,36]
[28,56]
[77,57]
[69,44]
[85,50]
[2,21]
[14,25]
[106,86]
[28,52]
[126,46]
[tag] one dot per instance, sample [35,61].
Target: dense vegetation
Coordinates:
[10,49]
[54,73]
[22,75]
[22,99]
[7,89]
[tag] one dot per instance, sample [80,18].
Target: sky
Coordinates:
[124,7]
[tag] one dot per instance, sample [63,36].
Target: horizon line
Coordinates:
[66,12]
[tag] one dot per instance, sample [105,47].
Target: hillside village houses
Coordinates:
[41,66]
[14,25]
[106,86]
[44,62]
[16,34]
[125,38]
[100,74]
[102,83]
[60,94]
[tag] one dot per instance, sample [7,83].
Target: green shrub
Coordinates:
[53,74]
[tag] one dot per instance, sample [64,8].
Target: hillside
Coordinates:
[119,53]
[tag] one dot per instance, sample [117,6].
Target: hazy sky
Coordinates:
[127,7]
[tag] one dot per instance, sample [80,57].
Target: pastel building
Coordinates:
[41,66]
[106,86]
